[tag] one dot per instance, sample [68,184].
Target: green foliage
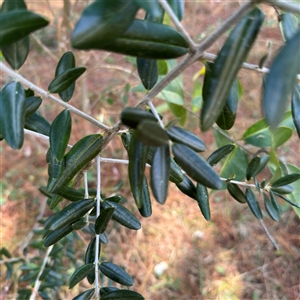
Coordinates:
[170,150]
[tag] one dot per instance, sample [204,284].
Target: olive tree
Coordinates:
[170,150]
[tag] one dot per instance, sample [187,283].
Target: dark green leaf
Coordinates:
[227,117]
[271,210]
[219,154]
[9,5]
[16,53]
[287,200]
[280,81]
[107,289]
[151,134]
[136,167]
[227,65]
[296,108]
[17,24]
[253,204]
[66,62]
[71,213]
[122,215]
[177,7]
[148,72]
[132,116]
[31,105]
[236,193]
[287,179]
[182,136]
[196,167]
[187,187]
[103,220]
[60,132]
[144,39]
[80,274]
[116,273]
[65,79]
[252,167]
[102,22]
[146,208]
[122,294]
[55,167]
[160,172]
[263,162]
[86,295]
[81,153]
[275,203]
[55,236]
[12,102]
[203,201]
[90,252]
[36,122]
[282,189]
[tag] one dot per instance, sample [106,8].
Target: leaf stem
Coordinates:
[38,282]
[47,95]
[98,199]
[178,25]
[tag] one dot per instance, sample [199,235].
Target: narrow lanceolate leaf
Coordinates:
[103,21]
[60,132]
[196,167]
[86,295]
[271,210]
[160,172]
[227,65]
[146,208]
[136,167]
[80,274]
[275,203]
[148,72]
[36,122]
[65,79]
[144,39]
[71,213]
[177,7]
[253,204]
[252,167]
[187,187]
[182,136]
[107,289]
[8,5]
[236,193]
[13,114]
[287,200]
[203,201]
[31,105]
[55,236]
[122,215]
[17,24]
[263,162]
[219,154]
[122,294]
[90,252]
[296,108]
[283,189]
[66,62]
[131,116]
[280,81]
[288,25]
[227,116]
[103,220]
[287,179]
[16,53]
[152,134]
[81,153]
[116,273]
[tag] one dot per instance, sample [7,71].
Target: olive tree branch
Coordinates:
[47,95]
[178,25]
[272,240]
[284,5]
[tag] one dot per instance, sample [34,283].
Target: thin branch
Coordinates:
[44,47]
[272,240]
[239,182]
[156,115]
[45,94]
[284,5]
[11,260]
[38,282]
[178,25]
[98,198]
